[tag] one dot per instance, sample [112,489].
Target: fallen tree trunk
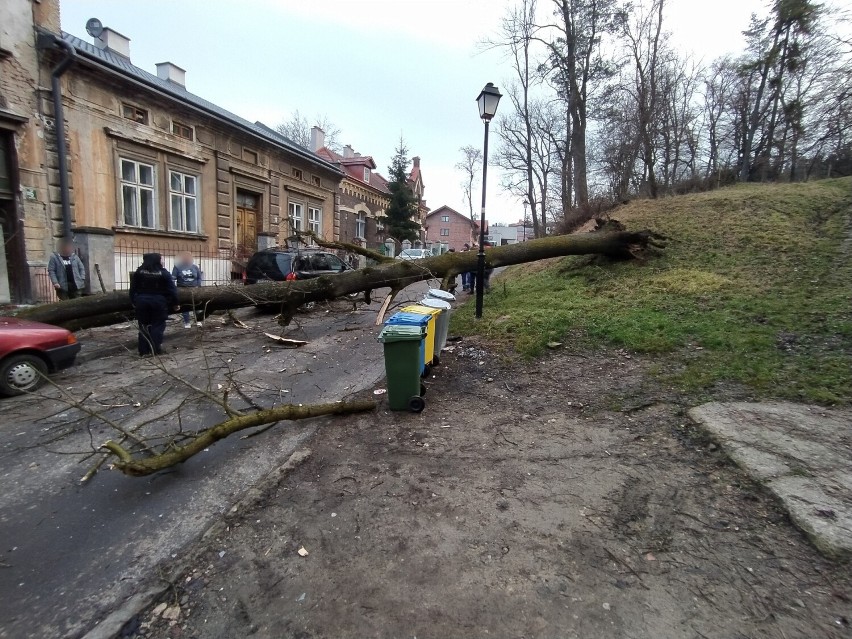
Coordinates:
[139,467]
[109,308]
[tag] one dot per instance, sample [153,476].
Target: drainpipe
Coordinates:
[45,41]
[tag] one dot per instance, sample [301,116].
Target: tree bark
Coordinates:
[111,308]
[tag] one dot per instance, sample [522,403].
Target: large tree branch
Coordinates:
[130,465]
[346,246]
[107,308]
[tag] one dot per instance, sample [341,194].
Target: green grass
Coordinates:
[755,287]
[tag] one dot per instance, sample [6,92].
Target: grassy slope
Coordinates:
[755,287]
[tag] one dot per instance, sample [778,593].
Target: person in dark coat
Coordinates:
[152,293]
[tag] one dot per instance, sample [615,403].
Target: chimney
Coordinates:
[357,155]
[348,151]
[416,161]
[317,138]
[172,73]
[112,41]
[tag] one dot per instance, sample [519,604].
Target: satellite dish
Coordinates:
[94,27]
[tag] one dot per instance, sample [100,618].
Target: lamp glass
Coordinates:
[488,100]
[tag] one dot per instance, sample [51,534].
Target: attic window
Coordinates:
[297,173]
[367,175]
[315,180]
[182,130]
[135,114]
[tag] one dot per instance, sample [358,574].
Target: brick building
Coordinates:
[448,226]
[151,166]
[363,195]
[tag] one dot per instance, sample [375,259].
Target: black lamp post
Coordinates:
[487,100]
[526,204]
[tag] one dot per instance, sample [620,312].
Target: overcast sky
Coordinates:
[378,68]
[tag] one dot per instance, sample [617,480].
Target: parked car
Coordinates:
[31,350]
[280,264]
[413,254]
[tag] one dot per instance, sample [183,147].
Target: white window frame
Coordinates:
[445,232]
[367,174]
[137,188]
[361,225]
[315,220]
[296,213]
[445,218]
[183,198]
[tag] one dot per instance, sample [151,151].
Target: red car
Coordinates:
[31,350]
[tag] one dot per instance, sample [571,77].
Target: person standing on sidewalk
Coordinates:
[152,293]
[66,271]
[187,275]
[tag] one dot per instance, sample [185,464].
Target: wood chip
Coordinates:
[293,343]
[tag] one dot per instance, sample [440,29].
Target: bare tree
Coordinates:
[642,28]
[574,40]
[470,165]
[535,157]
[516,36]
[298,129]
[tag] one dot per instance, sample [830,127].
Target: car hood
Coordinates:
[15,323]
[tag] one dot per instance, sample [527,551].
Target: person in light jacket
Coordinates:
[188,275]
[153,294]
[66,271]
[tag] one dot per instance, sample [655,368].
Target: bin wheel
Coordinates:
[416,404]
[436,361]
[422,389]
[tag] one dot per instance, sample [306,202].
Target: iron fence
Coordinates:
[218,266]
[41,287]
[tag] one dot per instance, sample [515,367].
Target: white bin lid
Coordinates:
[433,303]
[438,294]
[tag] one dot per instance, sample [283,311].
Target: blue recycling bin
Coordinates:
[412,319]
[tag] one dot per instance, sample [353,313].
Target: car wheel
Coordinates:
[21,374]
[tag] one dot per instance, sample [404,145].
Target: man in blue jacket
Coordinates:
[187,275]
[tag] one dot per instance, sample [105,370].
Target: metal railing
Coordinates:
[221,266]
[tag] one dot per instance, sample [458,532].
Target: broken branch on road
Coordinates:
[171,456]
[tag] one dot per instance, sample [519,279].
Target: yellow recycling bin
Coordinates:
[431,327]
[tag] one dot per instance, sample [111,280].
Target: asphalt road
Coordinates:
[73,553]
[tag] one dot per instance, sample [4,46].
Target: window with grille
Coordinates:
[297,222]
[361,225]
[138,194]
[183,190]
[315,220]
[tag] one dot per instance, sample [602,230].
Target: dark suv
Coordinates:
[278,265]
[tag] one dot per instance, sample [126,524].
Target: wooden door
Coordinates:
[245,222]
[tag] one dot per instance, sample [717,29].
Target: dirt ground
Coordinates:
[524,502]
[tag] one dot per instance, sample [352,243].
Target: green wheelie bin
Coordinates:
[402,365]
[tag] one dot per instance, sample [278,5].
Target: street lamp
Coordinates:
[487,100]
[526,204]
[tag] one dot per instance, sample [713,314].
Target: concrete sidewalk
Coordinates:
[802,454]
